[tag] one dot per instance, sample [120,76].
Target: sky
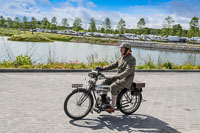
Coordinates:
[153,11]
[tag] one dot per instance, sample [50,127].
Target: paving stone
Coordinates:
[33,103]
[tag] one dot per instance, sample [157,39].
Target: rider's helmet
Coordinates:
[126,46]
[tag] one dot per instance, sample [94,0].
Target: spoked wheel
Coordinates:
[128,102]
[78,104]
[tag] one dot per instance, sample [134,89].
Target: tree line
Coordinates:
[168,26]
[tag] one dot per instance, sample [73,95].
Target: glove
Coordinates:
[115,78]
[99,68]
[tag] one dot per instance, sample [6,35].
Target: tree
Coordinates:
[53,23]
[167,24]
[117,32]
[24,24]
[146,30]
[184,33]
[194,27]
[77,24]
[9,22]
[107,25]
[121,26]
[33,23]
[92,27]
[65,22]
[102,30]
[168,21]
[45,23]
[176,30]
[141,23]
[16,23]
[2,21]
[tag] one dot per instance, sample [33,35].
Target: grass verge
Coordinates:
[25,62]
[29,38]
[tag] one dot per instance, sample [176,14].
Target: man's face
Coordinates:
[122,50]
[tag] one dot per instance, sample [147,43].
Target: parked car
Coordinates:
[196,39]
[183,39]
[173,38]
[60,32]
[81,33]
[89,34]
[96,34]
[102,34]
[110,35]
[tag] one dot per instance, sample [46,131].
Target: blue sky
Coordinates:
[153,11]
[103,4]
[119,4]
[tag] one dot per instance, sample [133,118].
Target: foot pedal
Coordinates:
[97,110]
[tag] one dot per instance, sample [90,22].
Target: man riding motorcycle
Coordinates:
[124,77]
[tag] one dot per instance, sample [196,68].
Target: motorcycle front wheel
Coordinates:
[78,104]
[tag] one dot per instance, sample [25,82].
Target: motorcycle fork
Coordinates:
[82,98]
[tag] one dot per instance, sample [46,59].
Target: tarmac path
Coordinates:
[33,103]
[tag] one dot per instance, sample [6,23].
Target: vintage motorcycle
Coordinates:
[81,100]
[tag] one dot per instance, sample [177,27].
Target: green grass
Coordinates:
[67,65]
[29,38]
[48,37]
[17,35]
[26,63]
[69,38]
[94,40]
[55,37]
[8,31]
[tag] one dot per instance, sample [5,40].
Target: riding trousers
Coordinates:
[114,87]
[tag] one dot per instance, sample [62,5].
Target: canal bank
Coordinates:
[159,45]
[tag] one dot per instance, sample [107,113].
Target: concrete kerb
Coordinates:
[82,70]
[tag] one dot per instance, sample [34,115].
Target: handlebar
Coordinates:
[97,74]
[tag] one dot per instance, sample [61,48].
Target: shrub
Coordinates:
[22,60]
[56,37]
[149,63]
[8,31]
[29,38]
[168,65]
[176,67]
[196,67]
[187,66]
[6,64]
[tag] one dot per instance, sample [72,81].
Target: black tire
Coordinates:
[128,102]
[68,107]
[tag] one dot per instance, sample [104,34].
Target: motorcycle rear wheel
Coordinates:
[128,102]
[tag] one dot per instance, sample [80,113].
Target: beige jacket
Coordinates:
[125,72]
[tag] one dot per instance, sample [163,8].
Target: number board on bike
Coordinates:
[77,85]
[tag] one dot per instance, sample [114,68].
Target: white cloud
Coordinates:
[185,8]
[19,8]
[85,9]
[155,15]
[90,4]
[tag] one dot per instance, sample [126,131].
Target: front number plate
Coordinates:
[77,85]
